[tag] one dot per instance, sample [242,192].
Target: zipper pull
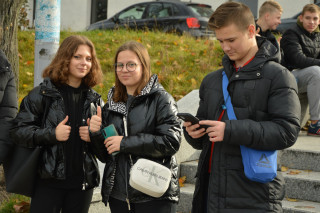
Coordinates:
[127,199]
[83,186]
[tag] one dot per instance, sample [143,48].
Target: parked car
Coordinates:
[288,23]
[169,16]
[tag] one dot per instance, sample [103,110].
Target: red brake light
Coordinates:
[193,22]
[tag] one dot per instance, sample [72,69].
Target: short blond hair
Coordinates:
[269,7]
[312,8]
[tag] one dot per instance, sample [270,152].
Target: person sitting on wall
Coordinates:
[301,48]
[269,18]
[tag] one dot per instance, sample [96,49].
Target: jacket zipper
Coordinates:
[126,134]
[83,122]
[83,162]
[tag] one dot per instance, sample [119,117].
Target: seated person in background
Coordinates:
[269,18]
[301,48]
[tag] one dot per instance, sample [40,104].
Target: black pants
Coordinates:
[53,200]
[155,206]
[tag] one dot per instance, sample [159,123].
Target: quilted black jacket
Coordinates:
[154,133]
[301,48]
[26,131]
[8,104]
[265,101]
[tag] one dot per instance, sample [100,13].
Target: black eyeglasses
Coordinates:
[131,66]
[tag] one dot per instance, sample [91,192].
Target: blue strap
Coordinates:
[226,96]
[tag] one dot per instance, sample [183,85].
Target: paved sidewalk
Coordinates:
[96,205]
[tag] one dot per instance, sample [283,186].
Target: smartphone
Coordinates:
[187,117]
[109,131]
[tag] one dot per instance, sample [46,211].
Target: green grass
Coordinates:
[181,62]
[16,203]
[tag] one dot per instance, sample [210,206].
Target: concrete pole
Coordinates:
[47,26]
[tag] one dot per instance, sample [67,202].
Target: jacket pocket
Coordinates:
[241,193]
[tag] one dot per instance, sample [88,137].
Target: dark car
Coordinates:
[288,23]
[167,16]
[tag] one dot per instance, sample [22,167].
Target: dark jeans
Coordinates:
[154,206]
[53,200]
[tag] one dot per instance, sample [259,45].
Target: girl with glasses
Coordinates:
[141,105]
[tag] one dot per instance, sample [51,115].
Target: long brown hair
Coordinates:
[58,69]
[120,93]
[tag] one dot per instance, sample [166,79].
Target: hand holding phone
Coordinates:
[187,117]
[110,131]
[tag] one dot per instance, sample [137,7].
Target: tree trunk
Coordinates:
[9,12]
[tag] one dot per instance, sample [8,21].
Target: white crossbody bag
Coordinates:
[148,176]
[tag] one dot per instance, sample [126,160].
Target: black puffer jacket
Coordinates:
[26,131]
[265,101]
[8,104]
[301,48]
[154,133]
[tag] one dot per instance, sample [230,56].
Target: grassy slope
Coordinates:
[181,62]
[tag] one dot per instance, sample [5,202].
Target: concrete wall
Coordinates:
[290,8]
[76,14]
[116,5]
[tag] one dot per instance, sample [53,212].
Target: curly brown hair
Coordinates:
[58,69]
[120,93]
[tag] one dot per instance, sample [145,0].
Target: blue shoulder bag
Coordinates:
[259,165]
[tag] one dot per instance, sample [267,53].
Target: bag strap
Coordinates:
[226,106]
[226,96]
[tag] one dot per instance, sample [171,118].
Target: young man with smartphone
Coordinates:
[266,104]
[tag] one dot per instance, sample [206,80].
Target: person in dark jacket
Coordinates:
[139,104]
[301,48]
[8,105]
[266,104]
[269,18]
[68,170]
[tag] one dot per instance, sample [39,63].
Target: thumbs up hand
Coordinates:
[95,121]
[63,130]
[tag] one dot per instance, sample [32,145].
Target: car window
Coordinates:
[134,12]
[169,10]
[175,10]
[154,10]
[201,10]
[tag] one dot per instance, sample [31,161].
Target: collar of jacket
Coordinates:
[299,23]
[268,51]
[4,63]
[47,88]
[121,107]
